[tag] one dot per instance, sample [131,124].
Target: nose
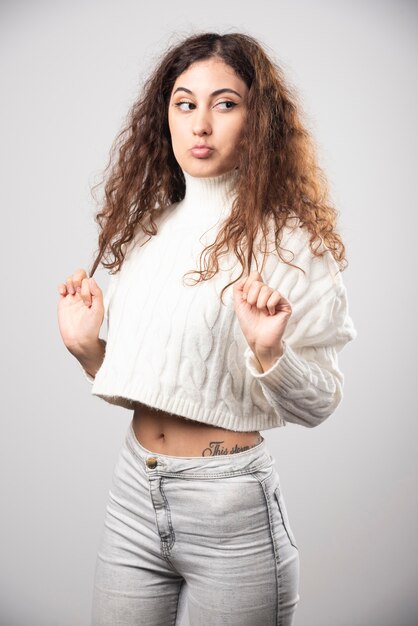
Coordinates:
[201,123]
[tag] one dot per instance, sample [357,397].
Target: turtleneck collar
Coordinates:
[214,194]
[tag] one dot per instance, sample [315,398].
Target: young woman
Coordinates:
[214,166]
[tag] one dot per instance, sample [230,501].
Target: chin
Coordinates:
[206,169]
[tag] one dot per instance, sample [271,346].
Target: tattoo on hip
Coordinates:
[216,448]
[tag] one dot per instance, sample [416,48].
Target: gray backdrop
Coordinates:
[70,71]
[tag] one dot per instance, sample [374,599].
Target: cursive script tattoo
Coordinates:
[216,449]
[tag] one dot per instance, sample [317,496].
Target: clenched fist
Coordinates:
[80,312]
[263,314]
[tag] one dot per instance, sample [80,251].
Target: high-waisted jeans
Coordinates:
[207,534]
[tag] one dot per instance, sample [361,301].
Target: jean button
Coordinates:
[152,462]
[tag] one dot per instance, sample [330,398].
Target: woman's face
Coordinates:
[207,107]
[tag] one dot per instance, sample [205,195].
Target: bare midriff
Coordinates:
[174,435]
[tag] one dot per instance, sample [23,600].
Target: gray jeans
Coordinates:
[207,534]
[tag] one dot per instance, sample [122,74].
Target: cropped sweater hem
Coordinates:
[177,404]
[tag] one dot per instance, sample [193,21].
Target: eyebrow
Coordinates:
[214,93]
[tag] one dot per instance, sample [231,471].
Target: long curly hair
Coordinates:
[278,175]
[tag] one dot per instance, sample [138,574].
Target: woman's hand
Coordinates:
[263,314]
[80,312]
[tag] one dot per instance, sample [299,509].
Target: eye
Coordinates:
[234,104]
[178,104]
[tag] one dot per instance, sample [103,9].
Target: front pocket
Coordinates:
[284,516]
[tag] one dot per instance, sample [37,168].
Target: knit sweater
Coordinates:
[174,346]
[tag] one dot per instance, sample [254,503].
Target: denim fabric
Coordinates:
[209,535]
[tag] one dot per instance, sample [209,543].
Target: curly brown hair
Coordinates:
[278,174]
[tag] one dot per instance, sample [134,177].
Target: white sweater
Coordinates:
[176,347]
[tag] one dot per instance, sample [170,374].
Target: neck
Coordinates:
[214,193]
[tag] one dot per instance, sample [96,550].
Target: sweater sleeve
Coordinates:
[305,384]
[106,301]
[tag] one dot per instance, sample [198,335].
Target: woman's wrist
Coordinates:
[90,355]
[267,359]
